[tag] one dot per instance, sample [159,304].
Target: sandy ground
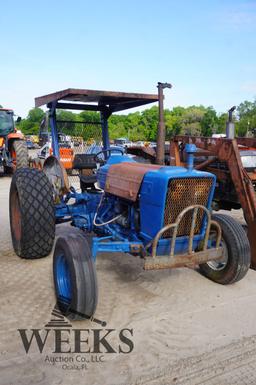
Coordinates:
[186,329]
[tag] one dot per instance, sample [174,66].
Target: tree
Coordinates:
[209,122]
[191,119]
[247,118]
[31,124]
[66,121]
[117,127]
[142,125]
[246,109]
[148,123]
[221,123]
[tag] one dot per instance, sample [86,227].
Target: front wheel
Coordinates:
[74,276]
[236,260]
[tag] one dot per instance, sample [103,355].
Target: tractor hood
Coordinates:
[125,178]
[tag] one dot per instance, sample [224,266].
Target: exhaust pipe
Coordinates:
[230,126]
[160,149]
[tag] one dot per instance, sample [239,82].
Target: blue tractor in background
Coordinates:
[159,213]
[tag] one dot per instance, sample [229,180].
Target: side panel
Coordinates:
[152,202]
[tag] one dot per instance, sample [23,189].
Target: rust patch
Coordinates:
[16,216]
[124,179]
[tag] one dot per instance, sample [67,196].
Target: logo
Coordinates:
[72,348]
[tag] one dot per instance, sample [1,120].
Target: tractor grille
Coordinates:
[182,193]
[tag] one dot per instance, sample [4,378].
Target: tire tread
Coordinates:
[37,213]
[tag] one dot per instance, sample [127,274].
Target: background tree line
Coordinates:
[193,120]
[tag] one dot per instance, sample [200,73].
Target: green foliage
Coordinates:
[221,123]
[209,122]
[31,124]
[247,118]
[81,124]
[246,109]
[192,120]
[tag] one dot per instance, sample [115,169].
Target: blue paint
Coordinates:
[122,236]
[63,278]
[105,134]
[106,244]
[153,196]
[190,150]
[54,131]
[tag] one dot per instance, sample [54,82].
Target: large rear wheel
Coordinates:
[75,276]
[236,259]
[32,215]
[21,153]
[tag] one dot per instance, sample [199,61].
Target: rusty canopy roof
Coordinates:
[95,100]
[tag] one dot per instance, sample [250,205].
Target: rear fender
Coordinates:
[15,135]
[11,137]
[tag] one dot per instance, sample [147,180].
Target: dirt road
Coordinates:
[186,329]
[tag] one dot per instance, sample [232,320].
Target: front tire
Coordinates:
[32,215]
[74,275]
[237,258]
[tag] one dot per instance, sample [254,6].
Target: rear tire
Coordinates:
[21,151]
[75,277]
[238,256]
[32,215]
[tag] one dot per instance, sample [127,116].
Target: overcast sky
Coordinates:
[206,49]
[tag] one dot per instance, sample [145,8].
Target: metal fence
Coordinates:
[82,137]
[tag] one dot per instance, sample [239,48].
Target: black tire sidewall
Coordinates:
[14,189]
[238,249]
[76,251]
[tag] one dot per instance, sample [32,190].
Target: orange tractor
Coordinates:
[13,147]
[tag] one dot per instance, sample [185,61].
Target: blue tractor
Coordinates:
[159,213]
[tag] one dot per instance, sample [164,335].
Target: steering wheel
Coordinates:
[98,159]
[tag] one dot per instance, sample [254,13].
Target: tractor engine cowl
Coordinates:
[166,192]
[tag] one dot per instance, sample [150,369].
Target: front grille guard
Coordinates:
[191,258]
[180,192]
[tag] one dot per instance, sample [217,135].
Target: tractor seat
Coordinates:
[88,179]
[84,161]
[87,183]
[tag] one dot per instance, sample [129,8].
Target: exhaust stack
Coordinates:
[160,149]
[230,126]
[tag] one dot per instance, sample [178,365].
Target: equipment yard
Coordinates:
[128,193]
[186,329]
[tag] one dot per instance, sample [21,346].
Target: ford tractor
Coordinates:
[159,213]
[13,148]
